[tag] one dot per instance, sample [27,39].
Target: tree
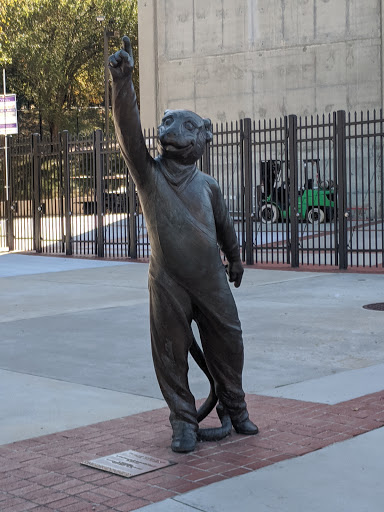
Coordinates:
[53,50]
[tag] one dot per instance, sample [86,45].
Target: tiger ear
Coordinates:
[208,129]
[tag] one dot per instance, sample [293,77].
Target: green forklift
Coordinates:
[316,204]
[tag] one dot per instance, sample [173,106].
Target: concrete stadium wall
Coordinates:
[230,59]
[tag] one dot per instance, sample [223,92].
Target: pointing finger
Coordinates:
[127,46]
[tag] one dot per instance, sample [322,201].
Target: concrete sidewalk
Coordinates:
[74,350]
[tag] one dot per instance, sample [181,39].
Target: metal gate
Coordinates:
[19,209]
[280,181]
[303,192]
[364,189]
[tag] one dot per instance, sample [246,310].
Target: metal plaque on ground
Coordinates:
[128,464]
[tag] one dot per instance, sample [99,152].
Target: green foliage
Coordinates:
[53,51]
[75,120]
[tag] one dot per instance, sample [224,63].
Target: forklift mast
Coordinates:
[269,173]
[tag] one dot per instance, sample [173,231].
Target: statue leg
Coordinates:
[222,342]
[171,337]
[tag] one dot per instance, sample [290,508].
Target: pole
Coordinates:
[9,221]
[106,135]
[67,194]
[37,209]
[342,212]
[106,84]
[5,145]
[98,162]
[293,190]
[247,166]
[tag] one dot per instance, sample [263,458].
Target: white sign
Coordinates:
[8,114]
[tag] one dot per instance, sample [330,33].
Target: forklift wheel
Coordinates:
[315,214]
[269,213]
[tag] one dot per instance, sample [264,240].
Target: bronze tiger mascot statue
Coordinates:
[187,222]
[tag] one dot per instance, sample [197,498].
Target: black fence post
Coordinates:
[342,213]
[132,218]
[98,162]
[293,190]
[247,172]
[287,191]
[37,208]
[67,194]
[205,160]
[10,205]
[9,225]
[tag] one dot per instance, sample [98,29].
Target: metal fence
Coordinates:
[301,191]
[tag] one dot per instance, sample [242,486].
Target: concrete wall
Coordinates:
[229,59]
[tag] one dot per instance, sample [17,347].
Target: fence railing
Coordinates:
[301,191]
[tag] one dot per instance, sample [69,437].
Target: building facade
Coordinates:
[230,59]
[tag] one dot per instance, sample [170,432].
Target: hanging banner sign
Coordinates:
[8,114]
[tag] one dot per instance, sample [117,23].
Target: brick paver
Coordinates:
[45,474]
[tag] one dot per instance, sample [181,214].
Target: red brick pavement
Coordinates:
[44,474]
